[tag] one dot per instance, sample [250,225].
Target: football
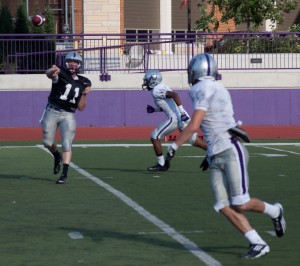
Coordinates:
[38,20]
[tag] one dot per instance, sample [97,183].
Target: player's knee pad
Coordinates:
[66,145]
[154,134]
[192,139]
[47,140]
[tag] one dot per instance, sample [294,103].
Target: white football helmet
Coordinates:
[151,79]
[202,65]
[73,56]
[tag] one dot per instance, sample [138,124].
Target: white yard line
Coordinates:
[188,244]
[149,145]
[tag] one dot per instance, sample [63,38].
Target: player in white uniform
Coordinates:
[227,156]
[168,102]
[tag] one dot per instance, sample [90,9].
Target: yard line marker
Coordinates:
[274,149]
[272,233]
[181,232]
[75,235]
[188,244]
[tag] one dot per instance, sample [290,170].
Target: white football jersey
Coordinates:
[168,105]
[211,96]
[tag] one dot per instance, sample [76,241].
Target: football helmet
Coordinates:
[202,65]
[73,56]
[151,79]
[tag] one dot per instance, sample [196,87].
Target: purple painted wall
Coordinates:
[128,108]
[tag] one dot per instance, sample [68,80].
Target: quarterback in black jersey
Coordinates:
[68,93]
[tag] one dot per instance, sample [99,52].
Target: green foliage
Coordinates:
[206,19]
[253,13]
[49,26]
[6,27]
[256,43]
[295,28]
[6,22]
[22,21]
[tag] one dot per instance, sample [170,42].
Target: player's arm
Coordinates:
[82,101]
[187,133]
[191,128]
[174,96]
[184,115]
[53,72]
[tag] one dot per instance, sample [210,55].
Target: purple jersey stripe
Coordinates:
[241,160]
[164,128]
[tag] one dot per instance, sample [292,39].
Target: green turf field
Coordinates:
[112,212]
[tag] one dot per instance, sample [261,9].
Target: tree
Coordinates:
[251,12]
[50,21]
[6,22]
[6,26]
[22,21]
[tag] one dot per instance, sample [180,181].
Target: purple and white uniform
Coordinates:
[171,110]
[227,156]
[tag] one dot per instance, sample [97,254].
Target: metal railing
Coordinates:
[131,53]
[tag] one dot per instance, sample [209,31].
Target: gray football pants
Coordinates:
[65,121]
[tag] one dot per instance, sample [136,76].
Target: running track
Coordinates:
[141,133]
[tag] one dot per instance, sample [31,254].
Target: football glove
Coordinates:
[204,165]
[150,109]
[184,117]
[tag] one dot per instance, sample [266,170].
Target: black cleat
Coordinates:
[62,180]
[279,222]
[57,162]
[158,168]
[256,251]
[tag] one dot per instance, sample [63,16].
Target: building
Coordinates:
[130,16]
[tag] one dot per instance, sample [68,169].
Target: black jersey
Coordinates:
[66,93]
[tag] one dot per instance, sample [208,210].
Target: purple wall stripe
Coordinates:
[260,107]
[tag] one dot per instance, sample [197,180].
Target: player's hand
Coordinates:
[53,72]
[204,165]
[184,117]
[86,90]
[150,109]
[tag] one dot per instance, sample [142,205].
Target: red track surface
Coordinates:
[141,133]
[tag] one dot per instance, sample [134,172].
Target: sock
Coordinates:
[65,169]
[271,210]
[254,238]
[161,160]
[56,155]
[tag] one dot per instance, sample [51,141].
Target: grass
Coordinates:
[39,218]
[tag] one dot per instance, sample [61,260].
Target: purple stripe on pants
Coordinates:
[234,141]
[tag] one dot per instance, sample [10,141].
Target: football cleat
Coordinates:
[56,167]
[256,251]
[158,167]
[62,180]
[279,222]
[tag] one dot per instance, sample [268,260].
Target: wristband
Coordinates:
[180,107]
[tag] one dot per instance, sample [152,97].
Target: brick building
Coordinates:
[130,16]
